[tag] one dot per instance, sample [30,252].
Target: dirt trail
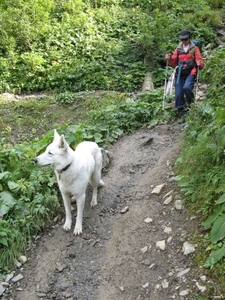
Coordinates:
[116,257]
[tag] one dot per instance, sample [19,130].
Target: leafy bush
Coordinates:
[201,166]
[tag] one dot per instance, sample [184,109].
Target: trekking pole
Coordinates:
[196,90]
[165,85]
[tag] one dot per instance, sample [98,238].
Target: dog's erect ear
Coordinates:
[56,135]
[62,142]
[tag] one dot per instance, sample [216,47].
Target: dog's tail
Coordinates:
[105,159]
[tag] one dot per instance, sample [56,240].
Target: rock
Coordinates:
[145,285]
[161,245]
[144,249]
[200,287]
[178,205]
[22,259]
[157,189]
[203,278]
[168,194]
[184,293]
[169,240]
[17,263]
[60,267]
[9,276]
[124,210]
[188,248]
[17,278]
[2,289]
[183,272]
[148,220]
[168,200]
[167,230]
[121,288]
[165,284]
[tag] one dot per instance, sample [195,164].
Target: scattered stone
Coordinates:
[23,259]
[9,276]
[157,286]
[178,205]
[168,194]
[145,285]
[2,289]
[168,200]
[167,229]
[17,278]
[144,249]
[152,265]
[200,287]
[169,240]
[161,245]
[165,284]
[183,272]
[148,220]
[203,278]
[121,288]
[188,248]
[17,263]
[184,293]
[124,210]
[41,295]
[60,268]
[158,189]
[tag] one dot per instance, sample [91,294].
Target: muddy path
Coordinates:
[117,257]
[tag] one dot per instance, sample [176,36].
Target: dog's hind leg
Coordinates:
[67,205]
[80,208]
[95,182]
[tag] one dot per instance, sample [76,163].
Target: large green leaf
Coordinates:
[13,186]
[221,199]
[6,202]
[218,229]
[215,257]
[212,218]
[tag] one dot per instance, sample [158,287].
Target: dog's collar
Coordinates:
[65,168]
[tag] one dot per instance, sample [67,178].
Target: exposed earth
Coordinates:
[132,246]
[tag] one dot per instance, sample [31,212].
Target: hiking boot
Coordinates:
[182,120]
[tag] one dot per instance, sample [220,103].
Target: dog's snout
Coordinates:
[35,160]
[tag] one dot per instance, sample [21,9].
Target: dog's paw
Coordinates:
[93,203]
[67,226]
[77,230]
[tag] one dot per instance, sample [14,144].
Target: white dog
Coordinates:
[74,170]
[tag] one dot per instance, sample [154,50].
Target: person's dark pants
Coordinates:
[184,89]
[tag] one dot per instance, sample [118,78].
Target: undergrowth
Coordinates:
[201,170]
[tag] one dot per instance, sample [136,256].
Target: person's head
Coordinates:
[185,36]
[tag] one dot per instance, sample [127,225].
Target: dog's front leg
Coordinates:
[67,205]
[80,209]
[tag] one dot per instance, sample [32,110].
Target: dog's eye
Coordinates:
[49,152]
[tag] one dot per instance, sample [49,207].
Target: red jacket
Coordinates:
[193,54]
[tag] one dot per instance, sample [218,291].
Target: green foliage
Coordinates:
[201,166]
[91,45]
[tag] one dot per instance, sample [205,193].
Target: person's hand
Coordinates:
[198,63]
[168,56]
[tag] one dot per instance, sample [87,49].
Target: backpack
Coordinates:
[198,44]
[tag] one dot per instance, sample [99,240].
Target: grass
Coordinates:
[27,118]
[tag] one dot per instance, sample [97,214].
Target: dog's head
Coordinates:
[55,152]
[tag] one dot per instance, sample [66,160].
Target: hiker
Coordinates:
[187,59]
